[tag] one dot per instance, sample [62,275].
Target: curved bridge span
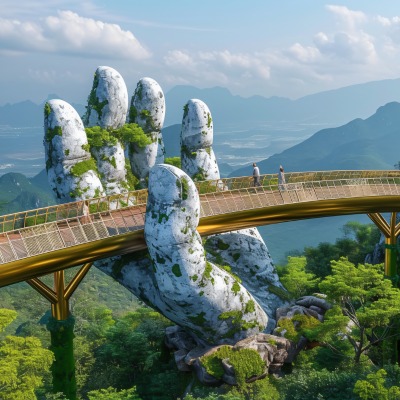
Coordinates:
[37,242]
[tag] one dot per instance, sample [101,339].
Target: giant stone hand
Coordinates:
[174,276]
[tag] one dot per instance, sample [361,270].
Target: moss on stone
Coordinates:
[185,110]
[160,260]
[246,363]
[139,91]
[47,110]
[132,182]
[209,120]
[222,245]
[234,315]
[183,185]
[236,256]
[200,175]
[176,270]
[175,161]
[189,154]
[93,101]
[235,287]
[52,132]
[99,137]
[296,326]
[281,293]
[133,113]
[207,270]
[250,307]
[161,217]
[199,319]
[83,166]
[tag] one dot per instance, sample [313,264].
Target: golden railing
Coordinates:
[48,229]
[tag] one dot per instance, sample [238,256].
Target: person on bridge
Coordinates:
[281,178]
[256,175]
[85,213]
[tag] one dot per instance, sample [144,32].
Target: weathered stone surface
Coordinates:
[244,250]
[111,166]
[178,281]
[247,254]
[147,109]
[176,337]
[108,101]
[275,351]
[70,168]
[196,294]
[197,156]
[311,306]
[308,301]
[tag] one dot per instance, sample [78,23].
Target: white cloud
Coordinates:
[70,34]
[305,54]
[349,18]
[353,48]
[179,58]
[386,22]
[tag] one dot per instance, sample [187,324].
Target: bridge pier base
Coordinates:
[61,328]
[62,345]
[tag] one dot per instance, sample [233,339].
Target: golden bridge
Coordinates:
[37,242]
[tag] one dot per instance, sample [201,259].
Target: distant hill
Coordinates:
[333,107]
[18,193]
[172,140]
[27,113]
[360,144]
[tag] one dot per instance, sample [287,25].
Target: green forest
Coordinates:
[119,342]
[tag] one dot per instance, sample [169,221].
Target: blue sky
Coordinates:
[289,48]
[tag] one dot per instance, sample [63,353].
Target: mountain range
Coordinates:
[333,107]
[370,143]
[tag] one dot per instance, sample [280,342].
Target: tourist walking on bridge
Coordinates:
[256,175]
[281,178]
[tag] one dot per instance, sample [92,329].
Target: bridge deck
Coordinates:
[58,233]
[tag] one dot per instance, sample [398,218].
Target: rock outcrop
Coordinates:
[107,108]
[108,100]
[246,254]
[196,293]
[147,109]
[70,167]
[243,251]
[197,135]
[200,294]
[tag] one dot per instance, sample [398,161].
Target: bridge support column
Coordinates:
[391,233]
[61,327]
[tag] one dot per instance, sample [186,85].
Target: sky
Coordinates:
[287,48]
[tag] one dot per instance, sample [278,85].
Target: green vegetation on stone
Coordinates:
[52,132]
[247,363]
[175,161]
[93,101]
[47,110]
[83,166]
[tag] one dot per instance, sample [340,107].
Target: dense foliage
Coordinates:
[358,241]
[120,352]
